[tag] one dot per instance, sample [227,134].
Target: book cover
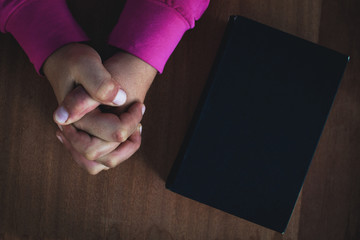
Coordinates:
[258,123]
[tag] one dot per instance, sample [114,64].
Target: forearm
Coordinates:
[40,26]
[151,29]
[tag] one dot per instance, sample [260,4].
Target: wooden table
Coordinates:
[45,195]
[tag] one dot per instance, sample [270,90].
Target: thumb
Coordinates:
[99,84]
[76,104]
[96,87]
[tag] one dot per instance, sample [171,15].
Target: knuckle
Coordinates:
[120,135]
[105,88]
[92,171]
[90,154]
[111,163]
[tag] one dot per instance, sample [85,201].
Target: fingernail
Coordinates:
[60,127]
[140,129]
[120,98]
[61,115]
[60,139]
[143,109]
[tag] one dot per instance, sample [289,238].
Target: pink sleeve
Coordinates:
[151,29]
[40,26]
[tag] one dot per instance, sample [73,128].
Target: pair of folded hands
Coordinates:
[100,104]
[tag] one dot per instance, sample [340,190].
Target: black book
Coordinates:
[258,123]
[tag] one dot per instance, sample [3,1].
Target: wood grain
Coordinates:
[45,195]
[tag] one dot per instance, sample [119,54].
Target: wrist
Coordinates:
[132,73]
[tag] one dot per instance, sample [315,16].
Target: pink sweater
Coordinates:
[148,29]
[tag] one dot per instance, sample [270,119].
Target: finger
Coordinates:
[98,82]
[75,105]
[110,127]
[91,166]
[91,148]
[97,87]
[124,151]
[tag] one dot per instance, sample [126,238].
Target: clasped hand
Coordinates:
[100,104]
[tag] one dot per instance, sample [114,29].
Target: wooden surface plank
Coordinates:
[45,195]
